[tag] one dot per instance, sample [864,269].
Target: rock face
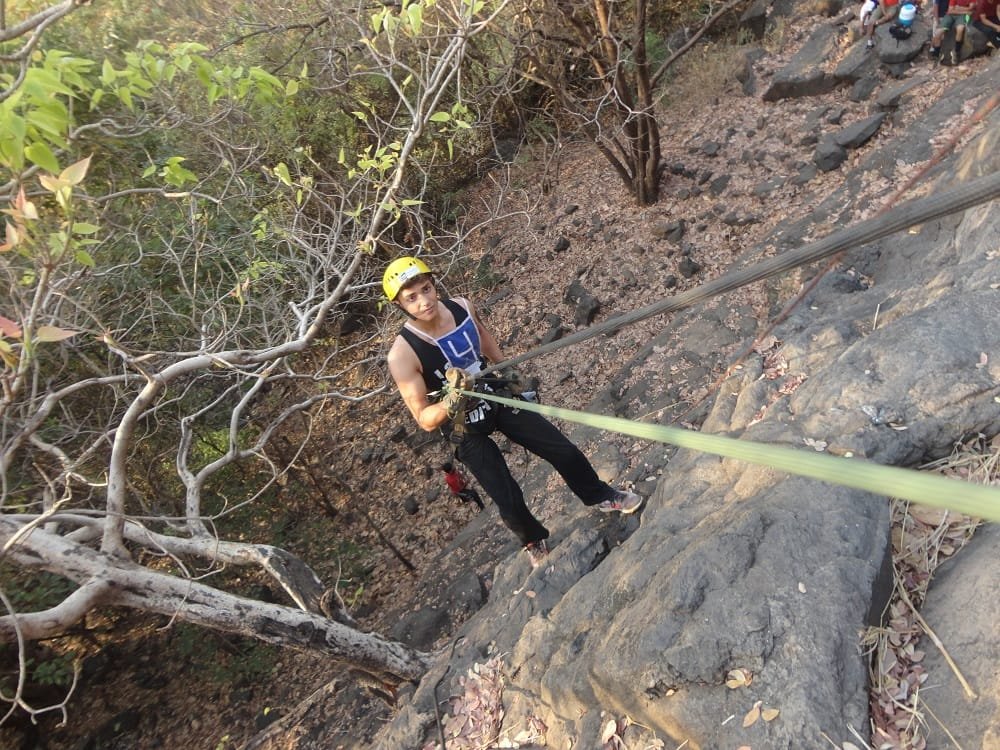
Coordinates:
[805,74]
[733,566]
[960,589]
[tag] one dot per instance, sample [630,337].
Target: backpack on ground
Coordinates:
[900,32]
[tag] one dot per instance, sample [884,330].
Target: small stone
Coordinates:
[710,148]
[688,267]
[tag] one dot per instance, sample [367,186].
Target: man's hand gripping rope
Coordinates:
[454,401]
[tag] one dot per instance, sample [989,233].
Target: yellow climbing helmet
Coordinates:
[401,271]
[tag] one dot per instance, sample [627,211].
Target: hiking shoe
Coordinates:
[537,552]
[870,43]
[934,52]
[954,57]
[622,502]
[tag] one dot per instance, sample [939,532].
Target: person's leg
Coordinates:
[543,439]
[870,28]
[991,33]
[941,28]
[486,463]
[956,54]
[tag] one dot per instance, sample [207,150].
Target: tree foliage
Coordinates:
[175,242]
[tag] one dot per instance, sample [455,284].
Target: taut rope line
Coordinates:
[892,481]
[962,197]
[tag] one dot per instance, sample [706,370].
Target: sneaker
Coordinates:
[870,43]
[537,552]
[622,502]
[954,57]
[934,52]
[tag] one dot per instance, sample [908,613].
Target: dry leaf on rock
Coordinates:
[817,445]
[752,715]
[610,730]
[738,678]
[769,714]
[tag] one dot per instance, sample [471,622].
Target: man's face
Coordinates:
[419,298]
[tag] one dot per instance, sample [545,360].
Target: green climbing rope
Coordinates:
[925,488]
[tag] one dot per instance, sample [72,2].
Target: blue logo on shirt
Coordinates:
[461,346]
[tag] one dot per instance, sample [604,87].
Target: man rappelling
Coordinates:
[441,349]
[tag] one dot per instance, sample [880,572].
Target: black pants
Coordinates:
[483,458]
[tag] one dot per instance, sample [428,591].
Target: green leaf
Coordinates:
[84,258]
[42,155]
[411,202]
[12,134]
[81,227]
[440,117]
[57,244]
[291,88]
[52,119]
[415,15]
[148,171]
[281,172]
[108,73]
[41,83]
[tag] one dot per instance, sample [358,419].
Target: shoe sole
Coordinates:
[623,511]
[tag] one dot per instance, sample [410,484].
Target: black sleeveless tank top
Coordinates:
[459,347]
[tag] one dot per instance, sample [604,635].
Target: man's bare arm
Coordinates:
[405,370]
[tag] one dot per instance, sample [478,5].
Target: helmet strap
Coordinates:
[400,308]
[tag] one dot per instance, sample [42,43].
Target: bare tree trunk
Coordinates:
[112,581]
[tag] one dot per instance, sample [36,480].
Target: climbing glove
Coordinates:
[458,379]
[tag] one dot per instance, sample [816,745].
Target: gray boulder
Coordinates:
[805,74]
[964,585]
[754,18]
[829,155]
[856,64]
[892,97]
[892,51]
[858,133]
